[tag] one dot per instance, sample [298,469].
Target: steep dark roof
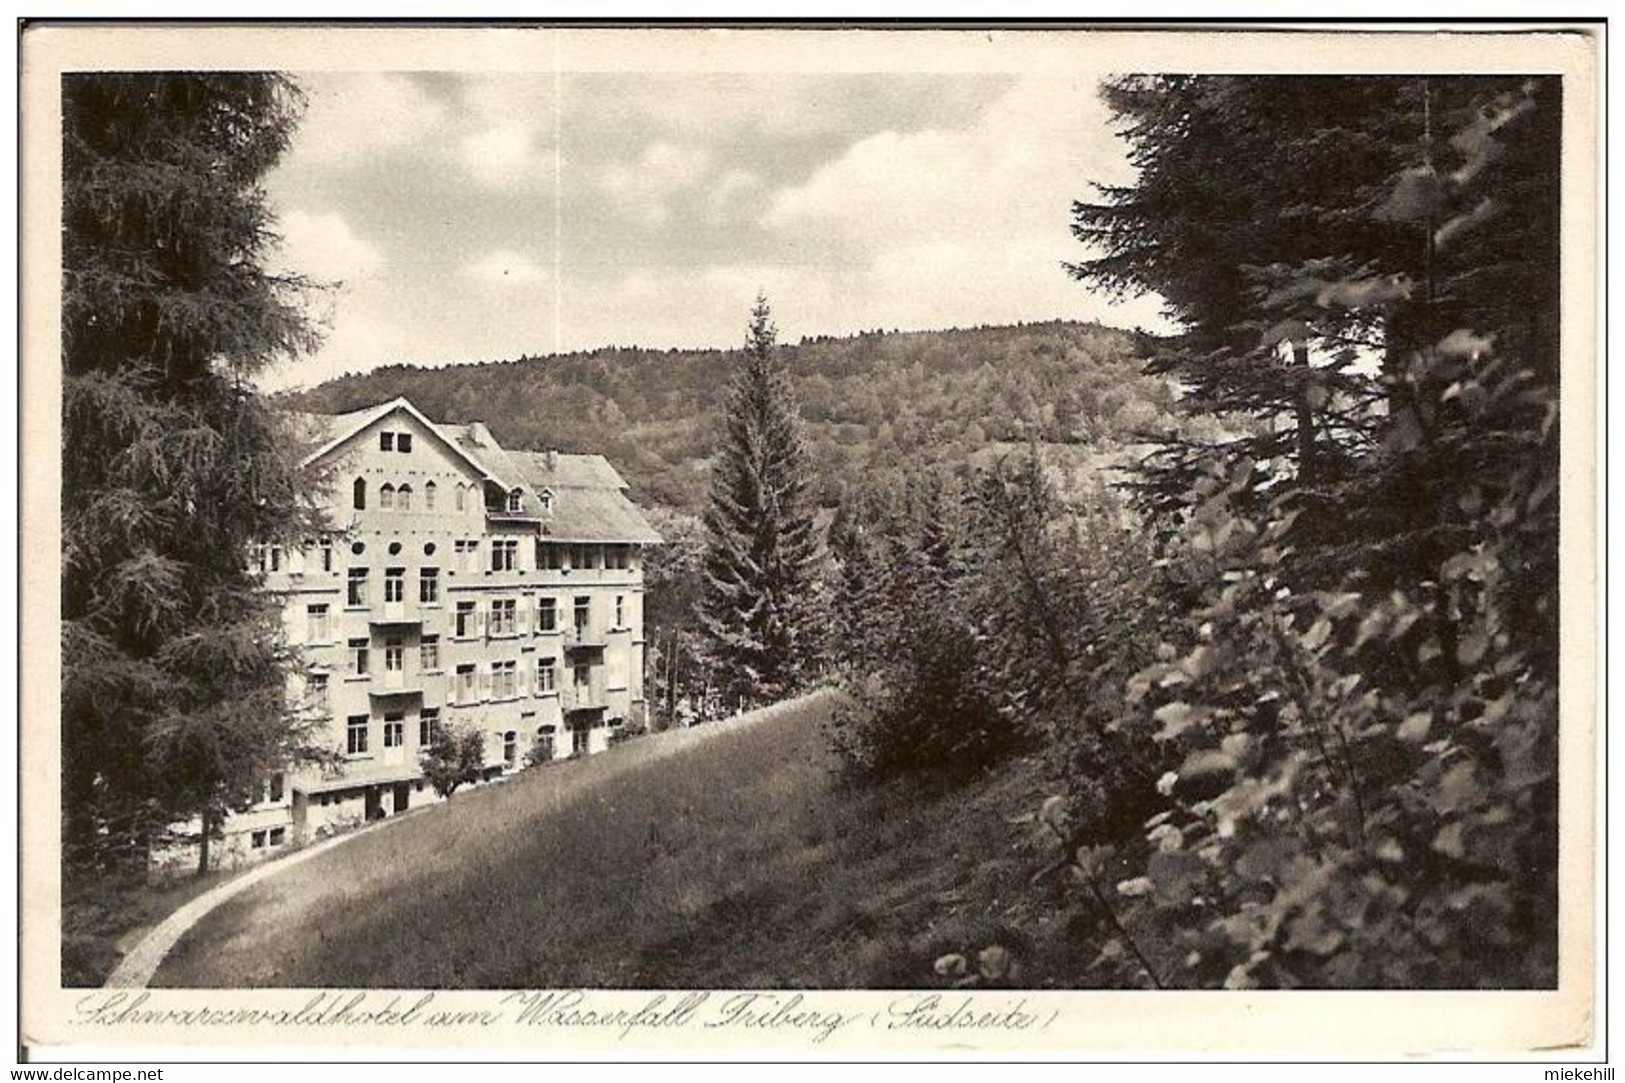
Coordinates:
[589,498]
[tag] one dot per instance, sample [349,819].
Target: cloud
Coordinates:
[731,191]
[505,268]
[351,118]
[1011,174]
[324,247]
[507,156]
[644,189]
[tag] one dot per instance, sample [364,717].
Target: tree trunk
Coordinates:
[1305,420]
[203,843]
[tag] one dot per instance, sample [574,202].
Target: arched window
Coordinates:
[428,496]
[462,496]
[403,498]
[360,494]
[386,496]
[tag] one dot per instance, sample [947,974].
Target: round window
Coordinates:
[394,548]
[358,548]
[428,549]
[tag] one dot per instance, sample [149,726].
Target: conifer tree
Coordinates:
[173,686]
[761,549]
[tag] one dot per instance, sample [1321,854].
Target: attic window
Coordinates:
[515,500]
[545,498]
[403,441]
[386,441]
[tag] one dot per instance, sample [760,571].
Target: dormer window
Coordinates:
[515,501]
[545,498]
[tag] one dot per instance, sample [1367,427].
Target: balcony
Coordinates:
[395,613]
[580,636]
[583,698]
[396,682]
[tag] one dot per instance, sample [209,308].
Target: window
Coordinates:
[277,787]
[583,676]
[544,676]
[516,500]
[394,654]
[318,628]
[464,626]
[545,499]
[360,490]
[257,840]
[316,692]
[394,585]
[466,688]
[549,556]
[616,557]
[355,735]
[358,657]
[583,615]
[467,554]
[429,654]
[504,680]
[403,498]
[428,726]
[462,496]
[274,553]
[547,615]
[510,748]
[503,614]
[586,556]
[620,611]
[277,835]
[429,586]
[386,496]
[504,554]
[403,441]
[578,741]
[386,441]
[428,496]
[356,592]
[395,730]
[544,742]
[327,554]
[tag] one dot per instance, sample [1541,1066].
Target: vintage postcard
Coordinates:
[810,541]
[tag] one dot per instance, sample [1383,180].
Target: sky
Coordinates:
[480,217]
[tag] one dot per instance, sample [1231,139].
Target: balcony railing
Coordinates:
[396,682]
[395,613]
[583,698]
[583,635]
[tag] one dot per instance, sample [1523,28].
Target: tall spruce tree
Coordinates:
[759,561]
[173,684]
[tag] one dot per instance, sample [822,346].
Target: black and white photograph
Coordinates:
[606,519]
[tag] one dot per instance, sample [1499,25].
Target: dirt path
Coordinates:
[565,782]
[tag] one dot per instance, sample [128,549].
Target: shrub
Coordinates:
[454,758]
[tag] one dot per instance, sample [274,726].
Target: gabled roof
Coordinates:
[343,427]
[589,496]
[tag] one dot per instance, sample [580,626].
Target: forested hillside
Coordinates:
[874,404]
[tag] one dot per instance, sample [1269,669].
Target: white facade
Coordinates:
[462,585]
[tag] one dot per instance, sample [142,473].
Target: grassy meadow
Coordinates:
[740,860]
